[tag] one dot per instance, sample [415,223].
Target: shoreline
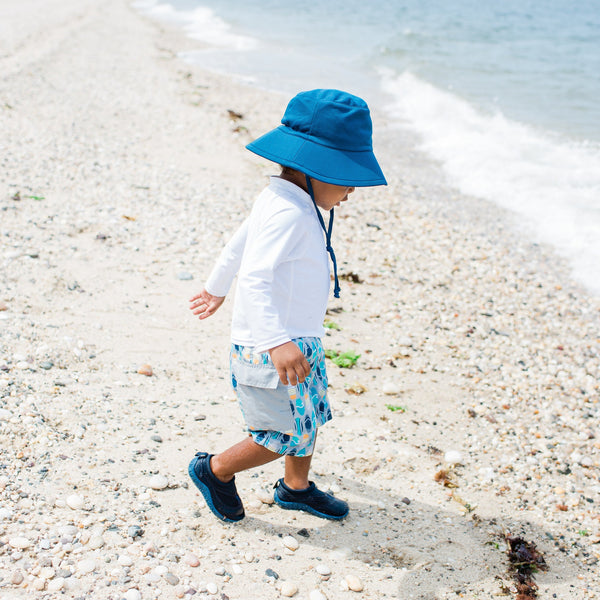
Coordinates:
[534,210]
[470,330]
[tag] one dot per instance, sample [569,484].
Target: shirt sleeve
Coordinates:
[223,273]
[266,292]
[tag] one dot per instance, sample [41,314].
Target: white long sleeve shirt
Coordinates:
[283,270]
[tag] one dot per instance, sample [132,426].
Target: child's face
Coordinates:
[328,195]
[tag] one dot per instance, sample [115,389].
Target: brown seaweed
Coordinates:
[525,560]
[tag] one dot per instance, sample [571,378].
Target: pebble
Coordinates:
[265,497]
[46,365]
[96,542]
[156,438]
[317,595]
[56,585]
[38,585]
[68,531]
[191,559]
[291,543]
[5,513]
[354,583]
[20,543]
[288,589]
[145,370]
[171,578]
[185,276]
[220,570]
[85,566]
[158,482]
[323,569]
[212,588]
[75,501]
[124,560]
[391,388]
[453,457]
[5,415]
[149,549]
[135,531]
[132,594]
[403,351]
[72,584]
[3,478]
[47,573]
[17,578]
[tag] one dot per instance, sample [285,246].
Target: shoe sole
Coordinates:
[307,508]
[205,491]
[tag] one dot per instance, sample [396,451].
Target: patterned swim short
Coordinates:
[282,418]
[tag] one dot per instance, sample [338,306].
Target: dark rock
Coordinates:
[135,531]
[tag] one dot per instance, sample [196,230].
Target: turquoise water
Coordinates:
[504,95]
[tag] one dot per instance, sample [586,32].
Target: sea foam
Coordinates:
[199,23]
[552,182]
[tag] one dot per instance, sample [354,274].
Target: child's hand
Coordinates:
[204,304]
[291,364]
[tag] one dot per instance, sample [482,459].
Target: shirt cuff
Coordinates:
[216,287]
[269,344]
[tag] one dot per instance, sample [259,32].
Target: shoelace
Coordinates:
[327,230]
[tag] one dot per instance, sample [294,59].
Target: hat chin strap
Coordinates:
[327,230]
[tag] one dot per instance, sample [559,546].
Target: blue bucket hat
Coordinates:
[326,134]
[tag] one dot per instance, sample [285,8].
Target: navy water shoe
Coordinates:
[311,500]
[222,498]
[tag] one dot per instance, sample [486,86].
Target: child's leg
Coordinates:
[296,471]
[297,468]
[243,455]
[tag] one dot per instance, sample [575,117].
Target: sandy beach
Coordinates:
[471,416]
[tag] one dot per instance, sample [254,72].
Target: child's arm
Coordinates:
[291,364]
[205,303]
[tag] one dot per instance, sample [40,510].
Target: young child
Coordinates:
[280,256]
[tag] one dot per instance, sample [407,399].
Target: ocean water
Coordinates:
[503,95]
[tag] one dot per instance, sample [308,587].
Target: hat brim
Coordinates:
[339,167]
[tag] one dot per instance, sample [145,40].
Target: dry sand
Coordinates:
[121,176]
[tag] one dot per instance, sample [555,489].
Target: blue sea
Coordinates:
[505,96]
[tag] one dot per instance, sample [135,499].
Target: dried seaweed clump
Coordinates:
[525,560]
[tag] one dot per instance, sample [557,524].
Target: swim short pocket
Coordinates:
[265,401]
